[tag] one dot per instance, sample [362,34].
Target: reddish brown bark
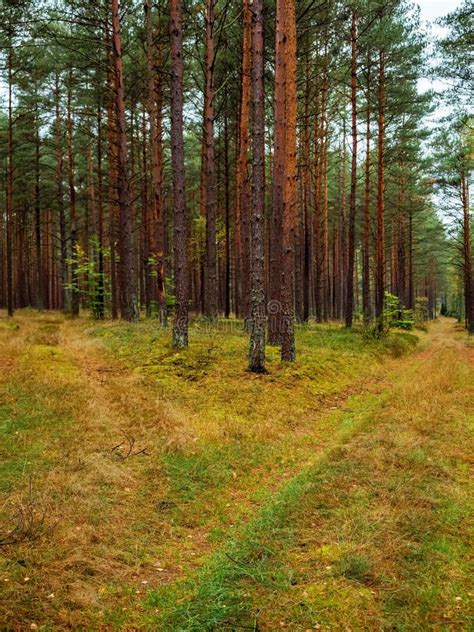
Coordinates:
[353,190]
[74,302]
[10,170]
[127,279]
[157,241]
[380,243]
[467,259]
[257,293]
[181,281]
[325,281]
[147,279]
[209,181]
[100,309]
[411,280]
[227,255]
[278,185]
[38,223]
[307,276]
[64,270]
[321,238]
[288,352]
[366,303]
[112,185]
[317,207]
[242,195]
[340,291]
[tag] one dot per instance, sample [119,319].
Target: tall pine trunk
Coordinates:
[288,352]
[366,303]
[112,178]
[275,315]
[10,170]
[157,240]
[307,276]
[127,278]
[209,173]
[100,308]
[181,281]
[64,269]
[257,292]
[352,198]
[227,298]
[467,259]
[38,231]
[242,195]
[380,243]
[72,204]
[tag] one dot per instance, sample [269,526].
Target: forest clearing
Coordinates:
[335,493]
[236,315]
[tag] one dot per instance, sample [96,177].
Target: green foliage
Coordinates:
[395,316]
[96,286]
[420,316]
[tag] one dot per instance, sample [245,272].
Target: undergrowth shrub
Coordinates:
[395,316]
[420,316]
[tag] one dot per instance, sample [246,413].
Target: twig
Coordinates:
[127,446]
[27,524]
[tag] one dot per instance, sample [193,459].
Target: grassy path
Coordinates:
[126,540]
[377,534]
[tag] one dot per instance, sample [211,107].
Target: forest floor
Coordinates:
[149,489]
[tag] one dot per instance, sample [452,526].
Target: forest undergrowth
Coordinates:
[145,488]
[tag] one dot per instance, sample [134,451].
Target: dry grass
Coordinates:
[376,535]
[218,442]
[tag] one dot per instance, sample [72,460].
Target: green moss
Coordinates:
[24,423]
[191,474]
[354,567]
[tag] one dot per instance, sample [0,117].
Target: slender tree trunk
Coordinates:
[342,259]
[227,216]
[9,216]
[366,303]
[127,278]
[65,292]
[401,276]
[278,185]
[39,258]
[325,227]
[257,319]
[100,219]
[242,196]
[288,352]
[210,277]
[90,238]
[72,205]
[112,178]
[467,259]
[317,220]
[380,255]
[352,198]
[411,280]
[154,112]
[180,324]
[145,225]
[321,203]
[306,191]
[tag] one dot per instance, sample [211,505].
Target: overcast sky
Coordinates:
[431,10]
[434,9]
